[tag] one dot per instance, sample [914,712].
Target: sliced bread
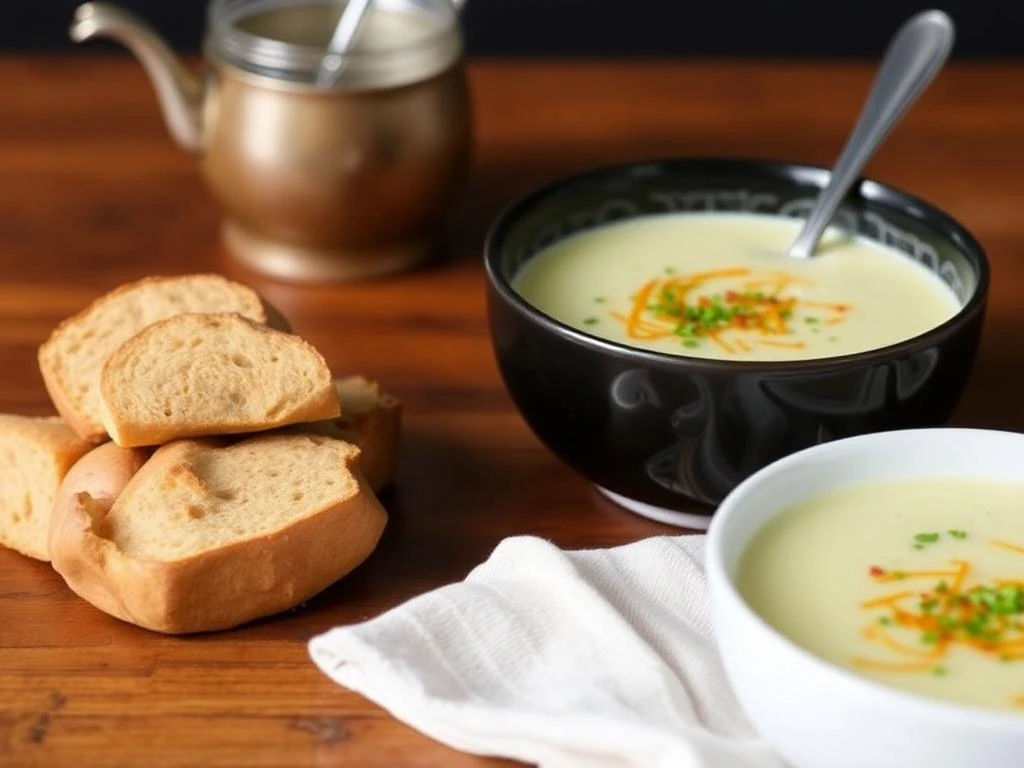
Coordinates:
[371,419]
[35,454]
[72,358]
[207,536]
[211,374]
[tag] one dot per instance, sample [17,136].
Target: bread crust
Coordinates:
[219,588]
[82,426]
[129,433]
[102,473]
[48,353]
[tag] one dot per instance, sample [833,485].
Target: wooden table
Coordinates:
[93,193]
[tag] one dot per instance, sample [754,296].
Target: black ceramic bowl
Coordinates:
[658,432]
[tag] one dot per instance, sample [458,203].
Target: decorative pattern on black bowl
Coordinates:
[667,430]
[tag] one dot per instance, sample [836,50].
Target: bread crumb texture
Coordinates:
[194,496]
[206,374]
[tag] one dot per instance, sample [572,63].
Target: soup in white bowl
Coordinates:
[910,532]
[719,285]
[918,584]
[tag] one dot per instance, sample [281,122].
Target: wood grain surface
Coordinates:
[93,193]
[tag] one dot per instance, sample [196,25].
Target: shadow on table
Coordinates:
[442,511]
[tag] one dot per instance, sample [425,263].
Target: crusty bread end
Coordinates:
[371,419]
[102,473]
[35,454]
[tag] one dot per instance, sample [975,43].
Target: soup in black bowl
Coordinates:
[670,427]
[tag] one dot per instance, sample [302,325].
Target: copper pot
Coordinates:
[317,183]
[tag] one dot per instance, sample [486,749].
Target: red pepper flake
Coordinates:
[731,296]
[877,571]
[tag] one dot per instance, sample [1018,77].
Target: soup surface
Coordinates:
[719,285]
[916,584]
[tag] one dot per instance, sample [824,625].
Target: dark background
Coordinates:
[677,28]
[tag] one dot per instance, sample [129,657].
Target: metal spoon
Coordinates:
[913,58]
[345,34]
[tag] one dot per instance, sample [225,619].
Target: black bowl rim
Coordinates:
[865,188]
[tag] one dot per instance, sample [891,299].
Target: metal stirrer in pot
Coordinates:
[345,35]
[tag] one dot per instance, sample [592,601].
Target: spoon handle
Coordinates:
[349,24]
[913,58]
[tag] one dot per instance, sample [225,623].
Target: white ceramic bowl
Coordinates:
[817,714]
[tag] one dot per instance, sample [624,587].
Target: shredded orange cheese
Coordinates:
[756,314]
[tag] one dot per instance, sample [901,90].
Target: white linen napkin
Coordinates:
[566,659]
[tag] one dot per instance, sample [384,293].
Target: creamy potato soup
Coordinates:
[916,584]
[719,285]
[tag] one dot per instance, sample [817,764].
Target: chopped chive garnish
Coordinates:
[599,299]
[987,617]
[957,534]
[671,300]
[974,625]
[590,321]
[948,622]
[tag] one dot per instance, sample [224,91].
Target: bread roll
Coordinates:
[206,536]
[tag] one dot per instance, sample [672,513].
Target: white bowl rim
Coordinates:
[960,715]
